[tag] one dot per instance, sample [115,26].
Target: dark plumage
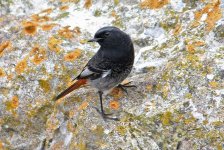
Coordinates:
[110,65]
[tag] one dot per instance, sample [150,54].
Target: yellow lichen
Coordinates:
[2,73]
[217,123]
[149,87]
[165,90]
[13,104]
[121,130]
[73,55]
[54,44]
[190,120]
[52,123]
[21,66]
[213,84]
[45,85]
[188,95]
[116,2]
[81,146]
[154,4]
[83,41]
[166,118]
[29,27]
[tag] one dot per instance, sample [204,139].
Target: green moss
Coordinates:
[121,130]
[166,118]
[97,13]
[63,15]
[118,22]
[99,130]
[45,85]
[116,2]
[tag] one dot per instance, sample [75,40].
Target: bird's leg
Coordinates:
[105,116]
[126,85]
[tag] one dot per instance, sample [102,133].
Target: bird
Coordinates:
[110,65]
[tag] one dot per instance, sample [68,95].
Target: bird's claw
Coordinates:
[126,85]
[105,116]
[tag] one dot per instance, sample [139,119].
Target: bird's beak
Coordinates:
[95,40]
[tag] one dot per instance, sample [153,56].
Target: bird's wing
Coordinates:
[97,67]
[92,72]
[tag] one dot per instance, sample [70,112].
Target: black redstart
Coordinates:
[111,64]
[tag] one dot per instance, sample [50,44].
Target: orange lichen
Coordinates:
[29,28]
[73,55]
[52,123]
[153,4]
[63,8]
[72,1]
[40,19]
[77,30]
[177,29]
[88,4]
[71,113]
[113,13]
[213,13]
[190,48]
[114,104]
[47,11]
[9,77]
[199,43]
[83,106]
[3,46]
[65,32]
[149,87]
[47,27]
[21,66]
[13,104]
[117,93]
[70,126]
[1,145]
[54,44]
[2,73]
[38,54]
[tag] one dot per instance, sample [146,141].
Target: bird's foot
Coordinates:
[106,116]
[126,85]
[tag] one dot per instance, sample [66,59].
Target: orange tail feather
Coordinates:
[74,86]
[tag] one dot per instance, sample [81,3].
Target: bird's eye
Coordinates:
[106,34]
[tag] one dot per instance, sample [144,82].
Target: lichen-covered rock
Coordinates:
[178,71]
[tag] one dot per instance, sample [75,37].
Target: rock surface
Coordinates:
[178,71]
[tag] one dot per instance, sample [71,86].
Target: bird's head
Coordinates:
[111,37]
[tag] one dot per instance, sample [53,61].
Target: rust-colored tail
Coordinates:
[74,86]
